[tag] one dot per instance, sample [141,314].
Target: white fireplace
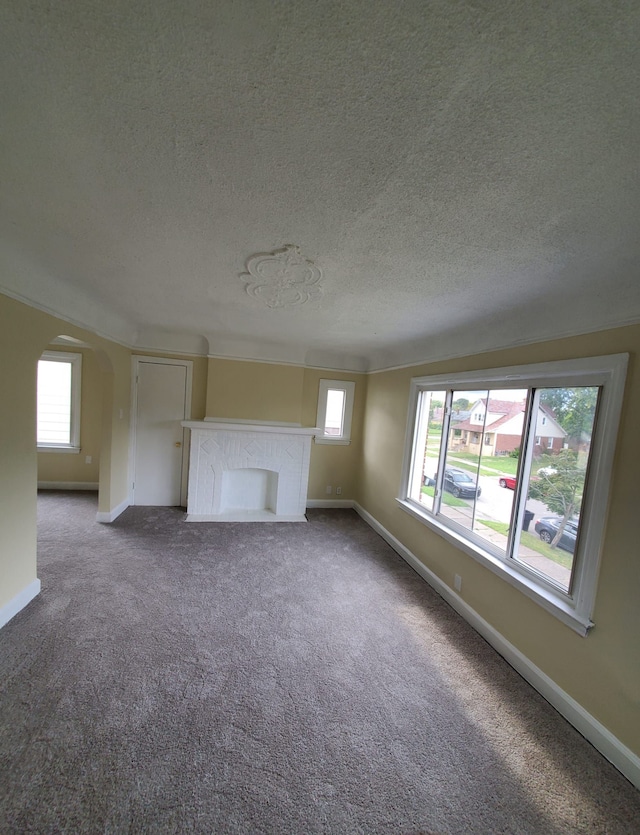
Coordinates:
[248,472]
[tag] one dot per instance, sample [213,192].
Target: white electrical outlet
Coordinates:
[457,582]
[87,459]
[338,491]
[328,489]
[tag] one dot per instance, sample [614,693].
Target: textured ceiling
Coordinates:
[462,175]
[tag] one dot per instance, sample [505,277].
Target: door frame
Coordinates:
[136,359]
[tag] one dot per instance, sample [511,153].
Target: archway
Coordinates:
[83,464]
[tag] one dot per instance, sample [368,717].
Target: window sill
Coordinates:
[335,441]
[551,601]
[46,448]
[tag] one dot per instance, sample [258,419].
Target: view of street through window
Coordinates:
[480,462]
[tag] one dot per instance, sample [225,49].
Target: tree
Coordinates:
[435,421]
[559,485]
[574,408]
[461,404]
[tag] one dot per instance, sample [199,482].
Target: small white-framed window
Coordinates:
[544,535]
[335,411]
[58,401]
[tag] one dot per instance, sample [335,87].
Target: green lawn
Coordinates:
[470,464]
[489,465]
[533,541]
[468,461]
[503,465]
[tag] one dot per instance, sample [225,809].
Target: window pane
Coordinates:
[485,438]
[54,402]
[428,438]
[557,481]
[334,419]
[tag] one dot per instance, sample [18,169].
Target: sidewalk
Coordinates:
[548,568]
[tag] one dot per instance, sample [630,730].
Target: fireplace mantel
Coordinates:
[248,472]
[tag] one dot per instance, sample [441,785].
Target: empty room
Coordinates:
[320,334]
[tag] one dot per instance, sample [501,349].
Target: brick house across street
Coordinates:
[494,427]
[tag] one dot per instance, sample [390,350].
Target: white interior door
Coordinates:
[161,395]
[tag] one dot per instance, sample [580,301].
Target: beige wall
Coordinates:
[333,465]
[62,466]
[601,671]
[254,390]
[18,466]
[24,334]
[264,391]
[115,426]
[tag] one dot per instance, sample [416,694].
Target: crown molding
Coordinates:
[412,355]
[69,319]
[397,362]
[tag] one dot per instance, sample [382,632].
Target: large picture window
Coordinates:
[58,399]
[513,465]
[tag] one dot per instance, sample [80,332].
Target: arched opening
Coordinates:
[74,414]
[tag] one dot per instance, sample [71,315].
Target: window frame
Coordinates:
[325,386]
[75,361]
[575,607]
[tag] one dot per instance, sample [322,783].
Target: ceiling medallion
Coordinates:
[283,278]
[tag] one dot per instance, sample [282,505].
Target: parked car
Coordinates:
[508,481]
[547,527]
[460,483]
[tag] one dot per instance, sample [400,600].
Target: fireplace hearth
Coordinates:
[248,472]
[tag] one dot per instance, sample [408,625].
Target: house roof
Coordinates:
[505,407]
[355,185]
[508,409]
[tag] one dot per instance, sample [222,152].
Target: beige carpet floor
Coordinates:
[270,678]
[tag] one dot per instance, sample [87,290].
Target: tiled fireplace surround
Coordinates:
[246,472]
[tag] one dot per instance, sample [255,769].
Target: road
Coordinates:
[495,502]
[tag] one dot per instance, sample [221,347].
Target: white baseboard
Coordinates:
[245,516]
[11,609]
[616,752]
[343,503]
[68,485]
[112,515]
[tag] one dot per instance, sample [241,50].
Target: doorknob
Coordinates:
[178,443]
